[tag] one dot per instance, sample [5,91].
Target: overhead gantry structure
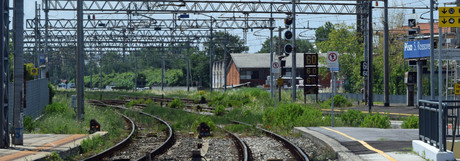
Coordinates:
[130,25]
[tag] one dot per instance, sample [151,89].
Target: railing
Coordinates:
[432,124]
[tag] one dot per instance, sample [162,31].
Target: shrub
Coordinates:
[206,120]
[220,110]
[55,108]
[52,92]
[54,156]
[131,103]
[377,121]
[29,124]
[176,103]
[339,101]
[92,144]
[353,117]
[291,114]
[411,122]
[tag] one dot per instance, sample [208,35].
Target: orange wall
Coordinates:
[233,76]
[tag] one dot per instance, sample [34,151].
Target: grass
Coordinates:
[59,118]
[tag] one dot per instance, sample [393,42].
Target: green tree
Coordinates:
[303,46]
[343,39]
[322,33]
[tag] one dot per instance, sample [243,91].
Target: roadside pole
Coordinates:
[333,65]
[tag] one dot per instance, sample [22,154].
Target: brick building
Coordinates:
[252,69]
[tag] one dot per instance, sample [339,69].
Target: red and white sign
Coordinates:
[276,67]
[332,59]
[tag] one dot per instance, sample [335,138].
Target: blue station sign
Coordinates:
[416,49]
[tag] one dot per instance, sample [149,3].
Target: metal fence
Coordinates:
[36,98]
[432,125]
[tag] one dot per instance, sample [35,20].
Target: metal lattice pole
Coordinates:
[294,57]
[18,72]
[80,63]
[4,133]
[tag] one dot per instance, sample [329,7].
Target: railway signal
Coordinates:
[204,130]
[94,126]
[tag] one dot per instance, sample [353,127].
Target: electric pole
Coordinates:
[18,72]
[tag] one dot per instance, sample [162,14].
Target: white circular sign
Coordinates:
[276,65]
[332,57]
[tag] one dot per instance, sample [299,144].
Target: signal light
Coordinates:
[288,49]
[94,17]
[288,21]
[94,126]
[204,130]
[288,35]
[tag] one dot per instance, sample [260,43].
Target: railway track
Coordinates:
[296,153]
[245,149]
[146,144]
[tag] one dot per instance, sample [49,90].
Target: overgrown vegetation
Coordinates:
[339,101]
[60,118]
[176,103]
[292,114]
[220,110]
[376,120]
[352,117]
[29,124]
[410,122]
[89,144]
[54,156]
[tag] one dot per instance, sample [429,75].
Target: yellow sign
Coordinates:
[457,89]
[449,11]
[33,71]
[449,21]
[280,81]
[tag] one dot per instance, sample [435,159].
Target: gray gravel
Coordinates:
[181,150]
[221,149]
[314,152]
[143,143]
[264,147]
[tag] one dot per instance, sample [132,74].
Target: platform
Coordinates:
[38,146]
[353,143]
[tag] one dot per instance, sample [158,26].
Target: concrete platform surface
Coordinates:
[352,143]
[38,146]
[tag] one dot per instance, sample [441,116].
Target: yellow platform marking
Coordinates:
[401,114]
[364,144]
[43,147]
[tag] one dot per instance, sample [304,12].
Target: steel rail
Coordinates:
[241,146]
[169,142]
[117,146]
[298,153]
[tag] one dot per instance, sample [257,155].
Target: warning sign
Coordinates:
[332,59]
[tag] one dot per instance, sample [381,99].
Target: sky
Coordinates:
[257,37]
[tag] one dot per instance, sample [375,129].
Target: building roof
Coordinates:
[262,60]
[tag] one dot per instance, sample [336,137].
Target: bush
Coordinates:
[52,92]
[292,114]
[339,101]
[220,110]
[411,122]
[92,144]
[377,121]
[29,124]
[55,108]
[176,103]
[206,120]
[353,117]
[54,156]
